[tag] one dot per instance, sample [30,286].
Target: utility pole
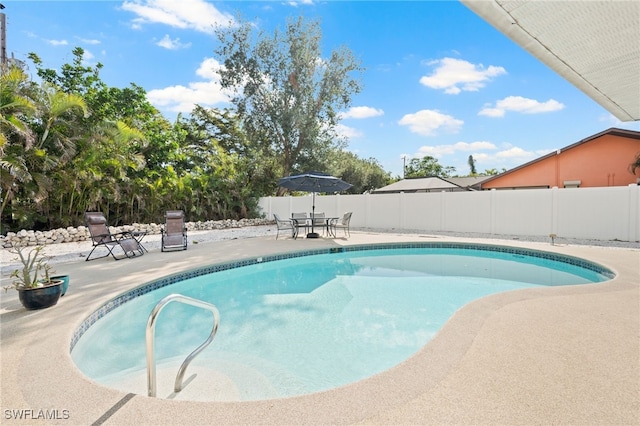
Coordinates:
[404,165]
[3,40]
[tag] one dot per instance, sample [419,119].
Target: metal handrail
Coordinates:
[151,326]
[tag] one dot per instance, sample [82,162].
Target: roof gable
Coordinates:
[432,183]
[630,134]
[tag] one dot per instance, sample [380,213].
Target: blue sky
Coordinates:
[438,80]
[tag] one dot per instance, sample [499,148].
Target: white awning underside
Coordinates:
[595,45]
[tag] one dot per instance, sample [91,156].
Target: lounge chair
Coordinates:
[284,225]
[102,237]
[174,231]
[341,223]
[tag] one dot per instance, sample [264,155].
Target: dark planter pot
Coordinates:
[40,297]
[65,282]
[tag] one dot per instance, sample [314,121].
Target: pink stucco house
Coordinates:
[599,160]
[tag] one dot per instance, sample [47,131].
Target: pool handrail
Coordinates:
[150,339]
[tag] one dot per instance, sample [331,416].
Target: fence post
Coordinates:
[443,211]
[555,210]
[634,206]
[492,211]
[401,211]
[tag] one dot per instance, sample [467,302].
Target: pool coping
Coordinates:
[438,385]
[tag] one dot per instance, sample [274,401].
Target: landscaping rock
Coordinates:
[81,233]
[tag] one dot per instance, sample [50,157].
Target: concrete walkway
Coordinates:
[552,355]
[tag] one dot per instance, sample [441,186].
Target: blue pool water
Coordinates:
[306,324]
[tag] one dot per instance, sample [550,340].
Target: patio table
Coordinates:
[299,223]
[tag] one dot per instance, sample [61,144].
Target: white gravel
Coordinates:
[72,252]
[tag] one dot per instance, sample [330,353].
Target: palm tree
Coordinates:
[15,135]
[37,136]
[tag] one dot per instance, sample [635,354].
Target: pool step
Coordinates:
[228,381]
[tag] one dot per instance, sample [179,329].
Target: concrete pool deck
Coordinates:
[552,355]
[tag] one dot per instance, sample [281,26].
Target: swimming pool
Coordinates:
[305,322]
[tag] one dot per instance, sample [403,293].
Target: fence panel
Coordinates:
[597,213]
[423,211]
[526,212]
[467,211]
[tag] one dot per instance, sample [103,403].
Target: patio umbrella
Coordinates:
[314,182]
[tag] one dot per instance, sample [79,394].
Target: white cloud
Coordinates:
[428,122]
[507,158]
[197,15]
[514,152]
[455,75]
[297,3]
[181,98]
[170,44]
[209,69]
[440,150]
[57,42]
[90,41]
[347,132]
[361,112]
[520,104]
[87,56]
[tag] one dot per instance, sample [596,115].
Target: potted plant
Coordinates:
[33,282]
[65,282]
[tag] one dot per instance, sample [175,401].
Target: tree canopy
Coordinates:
[427,166]
[286,93]
[71,143]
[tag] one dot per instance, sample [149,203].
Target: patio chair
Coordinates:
[300,220]
[341,223]
[319,220]
[283,225]
[102,237]
[174,231]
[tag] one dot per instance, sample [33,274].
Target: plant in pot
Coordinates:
[36,289]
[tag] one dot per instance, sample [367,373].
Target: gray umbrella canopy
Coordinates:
[314,182]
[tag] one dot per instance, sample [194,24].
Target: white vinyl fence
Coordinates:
[608,213]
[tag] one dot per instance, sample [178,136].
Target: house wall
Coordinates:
[603,161]
[605,213]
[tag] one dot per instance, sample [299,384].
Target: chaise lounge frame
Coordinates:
[102,237]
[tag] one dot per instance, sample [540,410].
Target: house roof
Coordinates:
[612,131]
[468,181]
[433,183]
[595,45]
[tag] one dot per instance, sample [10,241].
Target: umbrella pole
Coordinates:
[313,234]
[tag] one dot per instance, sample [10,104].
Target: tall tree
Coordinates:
[472,165]
[286,93]
[427,166]
[363,174]
[493,172]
